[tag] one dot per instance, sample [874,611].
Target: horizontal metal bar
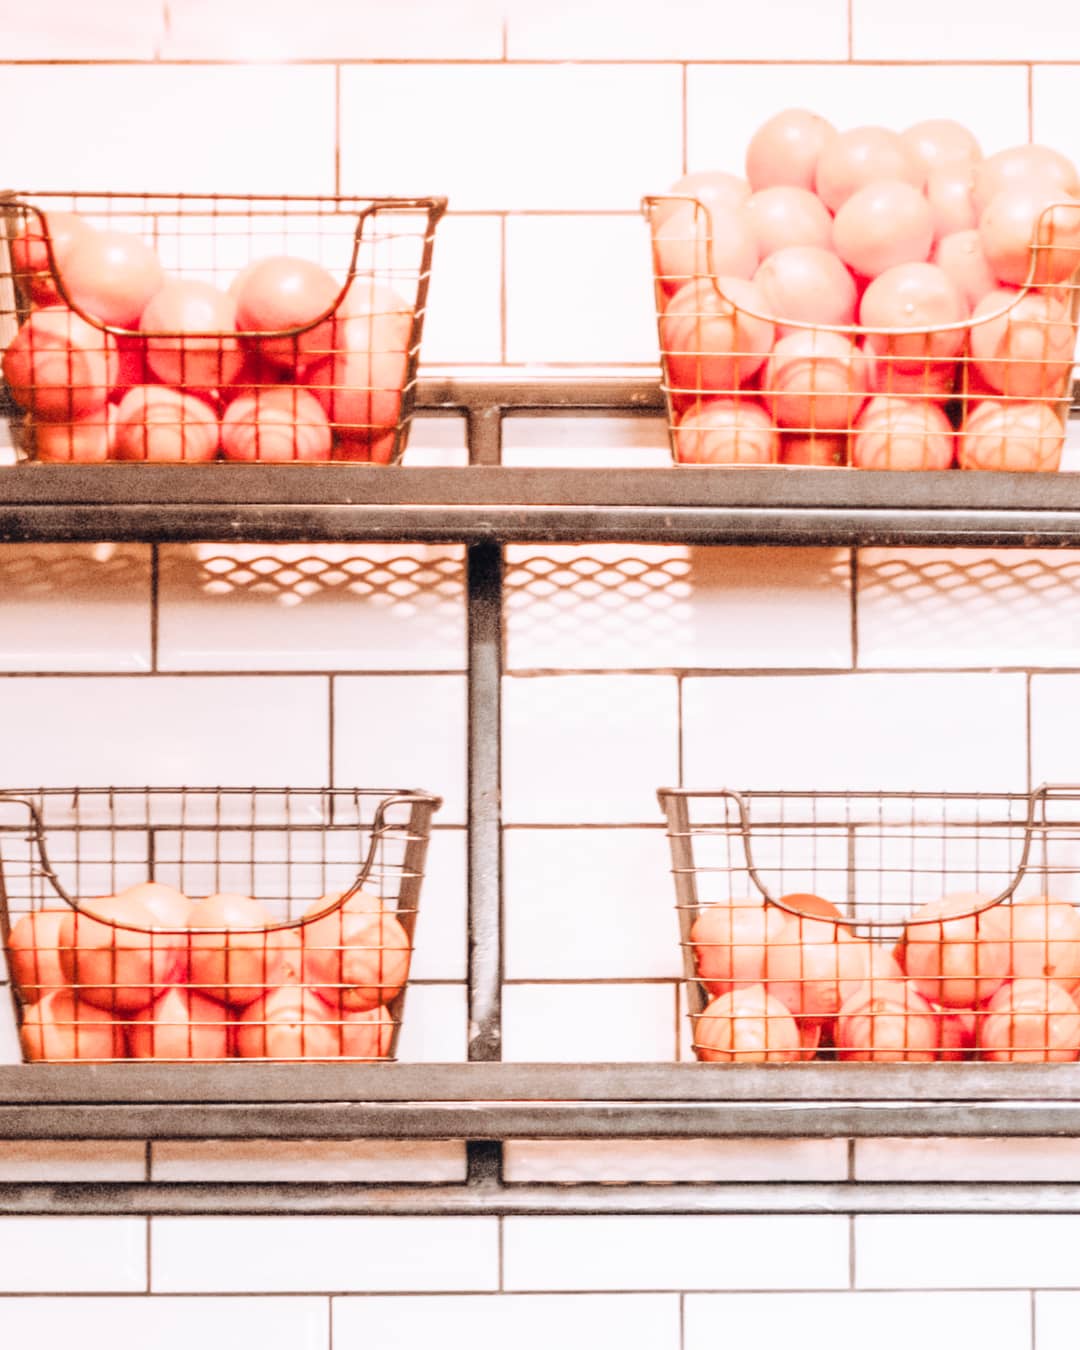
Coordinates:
[533,1085]
[511,391]
[142,1198]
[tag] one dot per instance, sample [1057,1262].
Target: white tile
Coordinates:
[1055,736]
[648,606]
[167,1323]
[588,1023]
[967,1159]
[170,730]
[434,1029]
[437,441]
[852,1321]
[1052,122]
[261,30]
[527,1322]
[511,137]
[464,306]
[172,128]
[587,442]
[871,732]
[587,748]
[56,30]
[964,30]
[57,1160]
[579,288]
[968,607]
[75,607]
[589,904]
[440,939]
[311,607]
[10,1049]
[1056,1317]
[961,1251]
[309,1255]
[310,1160]
[72,1254]
[404,732]
[686,1252]
[684,30]
[657,1160]
[992,100]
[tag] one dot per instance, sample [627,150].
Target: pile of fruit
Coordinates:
[150,974]
[789,981]
[882,299]
[117,359]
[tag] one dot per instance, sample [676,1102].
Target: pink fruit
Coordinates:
[951,198]
[817,965]
[59,367]
[920,301]
[724,431]
[951,955]
[957,1036]
[180,1025]
[888,1022]
[360,386]
[1015,437]
[883,224]
[700,242]
[30,264]
[288,1023]
[1022,343]
[785,150]
[157,422]
[1024,163]
[281,293]
[815,381]
[207,359]
[894,432]
[710,187]
[34,953]
[729,942]
[961,258]
[807,285]
[709,340]
[746,1025]
[784,217]
[90,440]
[940,142]
[355,955]
[169,908]
[1031,1020]
[366,1035]
[1024,234]
[113,958]
[279,425]
[1043,938]
[854,158]
[235,957]
[62,1028]
[820,450]
[112,276]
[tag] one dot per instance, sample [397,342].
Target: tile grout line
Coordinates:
[850,30]
[155,606]
[1031,101]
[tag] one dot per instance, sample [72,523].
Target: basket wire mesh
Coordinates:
[211,923]
[879,926]
[747,384]
[192,327]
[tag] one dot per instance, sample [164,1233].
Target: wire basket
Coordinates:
[192,328]
[749,386]
[210,923]
[879,926]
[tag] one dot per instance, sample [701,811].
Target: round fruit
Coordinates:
[1022,343]
[1016,437]
[940,142]
[710,187]
[288,1023]
[157,422]
[206,361]
[1030,1020]
[951,198]
[33,947]
[30,265]
[1024,163]
[113,959]
[785,217]
[112,276]
[90,440]
[180,1025]
[355,955]
[785,150]
[883,224]
[59,367]
[894,432]
[709,340]
[723,431]
[806,285]
[235,956]
[919,299]
[854,158]
[961,258]
[815,381]
[278,425]
[888,1022]
[62,1028]
[1025,235]
[366,1035]
[695,242]
[746,1025]
[953,958]
[276,294]
[729,942]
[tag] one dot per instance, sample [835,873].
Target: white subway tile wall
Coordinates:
[801,668]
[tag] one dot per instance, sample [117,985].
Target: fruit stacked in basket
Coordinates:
[196,331]
[150,974]
[867,297]
[969,979]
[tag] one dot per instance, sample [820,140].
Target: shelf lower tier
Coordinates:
[536,1101]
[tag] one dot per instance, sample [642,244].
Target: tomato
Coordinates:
[286,1023]
[709,340]
[1030,1020]
[881,225]
[1022,343]
[59,367]
[852,159]
[729,942]
[366,1035]
[280,293]
[893,432]
[354,955]
[180,1025]
[785,150]
[62,1028]
[785,217]
[90,440]
[951,197]
[746,1025]
[806,284]
[360,386]
[696,242]
[30,265]
[112,276]
[169,908]
[157,422]
[815,381]
[961,258]
[277,425]
[113,959]
[34,953]
[1016,437]
[941,143]
[710,187]
[1024,163]
[922,302]
[235,957]
[207,361]
[887,1022]
[1023,233]
[953,958]
[724,431]
[821,450]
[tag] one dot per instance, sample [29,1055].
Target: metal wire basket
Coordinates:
[746,384]
[210,923]
[879,925]
[189,328]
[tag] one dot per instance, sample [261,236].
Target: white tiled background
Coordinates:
[627,668]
